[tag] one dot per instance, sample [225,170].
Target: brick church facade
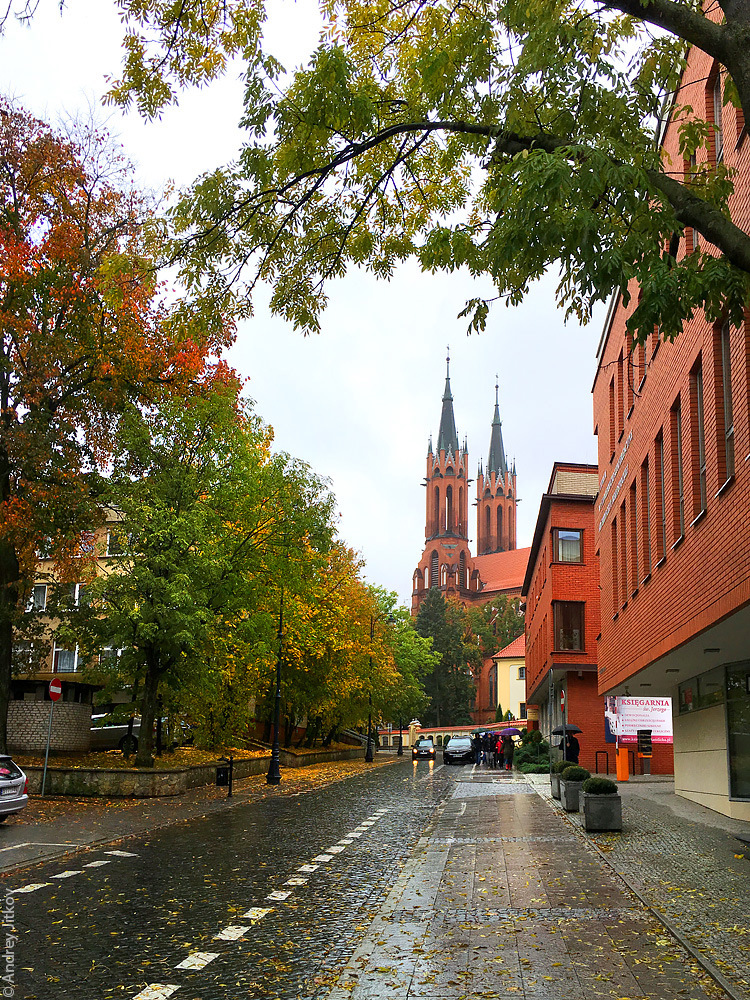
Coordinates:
[447,561]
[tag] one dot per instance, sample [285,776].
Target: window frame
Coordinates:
[556,547]
[557,627]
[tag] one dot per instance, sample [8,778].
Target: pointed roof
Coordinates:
[496,461]
[447,437]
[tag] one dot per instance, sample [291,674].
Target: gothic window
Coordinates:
[462,569]
[434,570]
[493,686]
[459,518]
[449,509]
[487,529]
[436,516]
[499,528]
[511,530]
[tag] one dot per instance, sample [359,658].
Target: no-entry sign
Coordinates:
[55,689]
[562,701]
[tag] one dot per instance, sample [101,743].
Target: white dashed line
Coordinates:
[97,864]
[278,895]
[68,874]
[355,833]
[308,868]
[198,960]
[336,849]
[156,992]
[323,857]
[346,841]
[367,823]
[129,854]
[375,816]
[231,933]
[296,881]
[32,887]
[256,913]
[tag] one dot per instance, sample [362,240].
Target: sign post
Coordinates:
[55,691]
[562,704]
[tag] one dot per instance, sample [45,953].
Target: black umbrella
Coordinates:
[567,728]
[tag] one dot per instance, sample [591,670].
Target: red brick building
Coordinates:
[561,588]
[447,562]
[673,511]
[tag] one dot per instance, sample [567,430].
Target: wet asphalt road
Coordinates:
[124,922]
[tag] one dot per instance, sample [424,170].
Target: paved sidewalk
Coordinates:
[503,897]
[689,864]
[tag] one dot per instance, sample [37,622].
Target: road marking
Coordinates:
[462,810]
[123,854]
[156,992]
[97,864]
[355,833]
[346,840]
[39,843]
[308,868]
[336,849]
[68,874]
[278,895]
[375,816]
[233,932]
[323,857]
[256,913]
[198,960]
[296,881]
[32,887]
[367,823]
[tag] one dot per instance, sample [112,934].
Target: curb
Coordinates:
[705,963]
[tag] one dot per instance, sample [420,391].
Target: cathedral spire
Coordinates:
[447,437]
[496,461]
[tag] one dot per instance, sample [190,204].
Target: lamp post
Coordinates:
[369,754]
[274,771]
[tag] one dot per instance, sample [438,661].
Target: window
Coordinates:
[64,661]
[717,109]
[633,538]
[434,570]
[117,542]
[621,376]
[449,509]
[568,545]
[697,440]
[493,687]
[522,710]
[612,417]
[640,364]
[727,408]
[661,508]
[738,713]
[623,555]
[38,598]
[630,377]
[568,623]
[24,657]
[436,516]
[615,576]
[73,595]
[645,519]
[522,673]
[487,530]
[462,569]
[678,477]
[499,545]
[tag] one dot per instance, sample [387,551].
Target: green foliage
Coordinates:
[496,623]
[449,684]
[575,773]
[531,768]
[560,765]
[499,714]
[599,786]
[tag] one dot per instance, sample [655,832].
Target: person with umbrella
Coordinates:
[569,745]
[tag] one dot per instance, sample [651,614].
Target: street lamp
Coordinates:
[274,771]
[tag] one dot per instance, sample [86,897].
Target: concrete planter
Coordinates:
[569,795]
[554,780]
[601,812]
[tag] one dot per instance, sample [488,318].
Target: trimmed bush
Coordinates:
[599,786]
[533,768]
[575,773]
[559,766]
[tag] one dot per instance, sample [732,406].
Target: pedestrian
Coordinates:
[487,748]
[508,751]
[572,748]
[476,743]
[496,742]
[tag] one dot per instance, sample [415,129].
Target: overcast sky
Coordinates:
[359,401]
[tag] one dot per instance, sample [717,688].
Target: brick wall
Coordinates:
[28,722]
[692,581]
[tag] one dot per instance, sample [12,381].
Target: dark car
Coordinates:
[458,750]
[424,747]
[13,788]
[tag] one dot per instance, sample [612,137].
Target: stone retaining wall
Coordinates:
[28,722]
[149,782]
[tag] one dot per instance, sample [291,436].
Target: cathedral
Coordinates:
[447,562]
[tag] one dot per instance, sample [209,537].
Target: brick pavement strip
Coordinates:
[499,899]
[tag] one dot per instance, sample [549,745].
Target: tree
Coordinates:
[496,623]
[450,685]
[82,333]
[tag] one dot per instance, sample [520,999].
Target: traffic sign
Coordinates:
[55,689]
[562,701]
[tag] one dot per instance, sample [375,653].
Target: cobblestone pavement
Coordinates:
[502,897]
[688,864]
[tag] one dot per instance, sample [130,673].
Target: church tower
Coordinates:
[496,495]
[446,561]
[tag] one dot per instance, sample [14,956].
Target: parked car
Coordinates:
[110,732]
[458,750]
[424,747]
[14,788]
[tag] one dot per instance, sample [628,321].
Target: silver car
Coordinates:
[13,788]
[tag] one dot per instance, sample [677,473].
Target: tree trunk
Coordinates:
[145,755]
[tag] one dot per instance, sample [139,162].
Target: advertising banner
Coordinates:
[623,717]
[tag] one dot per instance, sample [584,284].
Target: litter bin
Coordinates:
[222,775]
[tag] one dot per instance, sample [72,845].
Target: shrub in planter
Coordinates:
[571,779]
[554,778]
[532,768]
[602,805]
[559,766]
